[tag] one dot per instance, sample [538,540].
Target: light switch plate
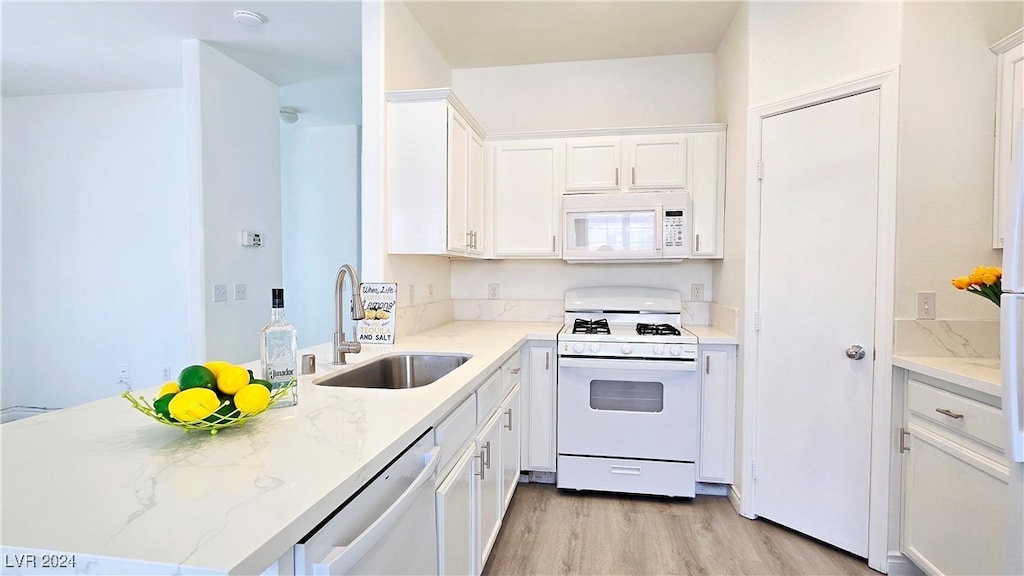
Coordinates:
[926,305]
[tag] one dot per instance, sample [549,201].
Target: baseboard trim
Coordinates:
[12,413]
[900,565]
[734,497]
[707,489]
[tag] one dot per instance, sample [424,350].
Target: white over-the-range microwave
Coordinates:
[639,227]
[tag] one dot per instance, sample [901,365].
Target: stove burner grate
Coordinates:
[657,330]
[600,326]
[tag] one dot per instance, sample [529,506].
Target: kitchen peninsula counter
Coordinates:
[978,374]
[125,494]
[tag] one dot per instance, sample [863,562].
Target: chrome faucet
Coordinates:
[341,347]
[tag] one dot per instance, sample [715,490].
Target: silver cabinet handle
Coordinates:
[697,249]
[547,358]
[475,237]
[616,176]
[509,414]
[553,248]
[634,175]
[904,434]
[487,449]
[707,364]
[950,413]
[514,371]
[481,473]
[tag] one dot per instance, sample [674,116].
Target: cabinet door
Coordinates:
[954,507]
[657,161]
[458,180]
[717,416]
[456,516]
[707,193]
[592,164]
[528,198]
[1009,108]
[475,195]
[489,503]
[510,446]
[538,429]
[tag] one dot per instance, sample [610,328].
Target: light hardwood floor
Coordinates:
[547,531]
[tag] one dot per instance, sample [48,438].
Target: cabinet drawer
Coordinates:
[969,417]
[632,476]
[456,430]
[510,371]
[487,397]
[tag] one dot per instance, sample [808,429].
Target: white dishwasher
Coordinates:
[388,527]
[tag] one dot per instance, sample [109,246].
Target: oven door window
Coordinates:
[627,396]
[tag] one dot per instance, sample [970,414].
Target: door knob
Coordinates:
[855,352]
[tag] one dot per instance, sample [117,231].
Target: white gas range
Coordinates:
[628,393]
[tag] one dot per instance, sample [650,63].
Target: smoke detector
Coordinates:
[289,115]
[249,19]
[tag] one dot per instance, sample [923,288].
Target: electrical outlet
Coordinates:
[430,292]
[220,292]
[492,291]
[241,293]
[412,294]
[166,372]
[926,305]
[697,292]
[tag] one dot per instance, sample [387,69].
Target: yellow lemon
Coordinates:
[216,366]
[193,404]
[231,379]
[169,388]
[252,398]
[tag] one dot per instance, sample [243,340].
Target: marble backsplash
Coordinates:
[956,338]
[420,317]
[547,310]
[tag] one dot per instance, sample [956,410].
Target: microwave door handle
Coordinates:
[659,232]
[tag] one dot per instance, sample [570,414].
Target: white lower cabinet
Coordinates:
[955,483]
[539,403]
[489,505]
[717,413]
[456,516]
[510,444]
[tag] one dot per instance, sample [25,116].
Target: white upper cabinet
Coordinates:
[706,185]
[527,198]
[592,164]
[435,175]
[657,162]
[1009,107]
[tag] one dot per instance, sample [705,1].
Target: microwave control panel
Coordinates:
[676,237]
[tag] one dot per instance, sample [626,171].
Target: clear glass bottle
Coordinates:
[279,350]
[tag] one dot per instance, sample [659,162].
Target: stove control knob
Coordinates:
[659,349]
[595,347]
[676,350]
[577,347]
[627,348]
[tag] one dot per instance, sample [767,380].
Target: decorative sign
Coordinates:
[378,327]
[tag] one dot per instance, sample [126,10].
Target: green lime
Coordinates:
[161,405]
[227,411]
[197,377]
[264,383]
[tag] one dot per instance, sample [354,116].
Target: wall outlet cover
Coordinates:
[697,292]
[241,292]
[220,292]
[493,291]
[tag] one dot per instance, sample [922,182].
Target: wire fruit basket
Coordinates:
[213,422]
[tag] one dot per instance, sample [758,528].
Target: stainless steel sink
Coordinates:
[397,371]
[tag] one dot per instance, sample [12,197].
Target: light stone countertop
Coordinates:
[979,374]
[129,495]
[711,335]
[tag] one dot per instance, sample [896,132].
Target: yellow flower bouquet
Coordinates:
[985,281]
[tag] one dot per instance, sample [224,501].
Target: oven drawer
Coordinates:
[632,476]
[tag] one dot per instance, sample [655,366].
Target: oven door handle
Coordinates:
[686,364]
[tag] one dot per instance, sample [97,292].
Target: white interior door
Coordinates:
[819,200]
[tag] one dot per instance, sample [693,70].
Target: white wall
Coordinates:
[94,247]
[411,61]
[732,87]
[947,111]
[239,159]
[320,222]
[649,91]
[798,47]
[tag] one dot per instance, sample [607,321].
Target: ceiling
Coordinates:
[476,34]
[68,47]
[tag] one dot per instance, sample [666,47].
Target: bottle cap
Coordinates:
[277,297]
[308,364]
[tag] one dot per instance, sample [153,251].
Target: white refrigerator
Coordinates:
[1012,353]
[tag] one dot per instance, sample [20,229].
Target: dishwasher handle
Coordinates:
[341,558]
